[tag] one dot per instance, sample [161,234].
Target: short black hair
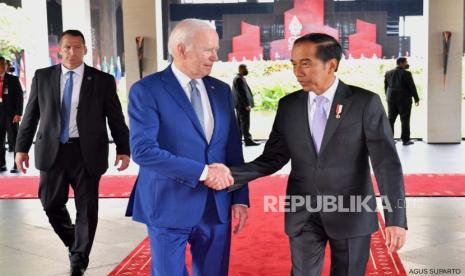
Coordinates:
[2,59]
[242,66]
[401,60]
[327,46]
[73,33]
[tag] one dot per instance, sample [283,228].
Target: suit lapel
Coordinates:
[56,86]
[214,101]
[173,87]
[5,83]
[303,113]
[342,97]
[86,84]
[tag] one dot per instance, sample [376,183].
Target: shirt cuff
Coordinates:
[241,205]
[204,174]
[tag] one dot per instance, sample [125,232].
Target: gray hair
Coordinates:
[185,31]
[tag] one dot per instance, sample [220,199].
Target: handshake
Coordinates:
[219,177]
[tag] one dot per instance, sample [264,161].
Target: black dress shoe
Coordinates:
[14,170]
[407,143]
[251,143]
[3,169]
[77,271]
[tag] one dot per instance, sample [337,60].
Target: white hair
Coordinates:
[185,31]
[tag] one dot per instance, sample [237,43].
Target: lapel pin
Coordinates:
[338,111]
[212,87]
[89,78]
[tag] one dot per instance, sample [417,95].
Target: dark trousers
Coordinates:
[348,256]
[3,126]
[243,120]
[402,108]
[12,133]
[67,170]
[210,244]
[3,130]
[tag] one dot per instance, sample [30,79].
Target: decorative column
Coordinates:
[36,49]
[76,15]
[444,76]
[139,19]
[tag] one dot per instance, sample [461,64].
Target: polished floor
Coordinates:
[436,236]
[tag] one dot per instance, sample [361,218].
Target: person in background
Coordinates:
[11,110]
[243,100]
[400,89]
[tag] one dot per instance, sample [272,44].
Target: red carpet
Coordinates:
[262,248]
[113,186]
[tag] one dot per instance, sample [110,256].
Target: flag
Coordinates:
[118,73]
[104,65]
[99,64]
[111,67]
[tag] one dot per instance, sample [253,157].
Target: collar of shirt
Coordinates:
[78,70]
[328,94]
[184,80]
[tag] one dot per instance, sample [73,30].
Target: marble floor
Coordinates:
[436,236]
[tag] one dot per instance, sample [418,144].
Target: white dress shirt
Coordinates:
[328,94]
[77,82]
[208,119]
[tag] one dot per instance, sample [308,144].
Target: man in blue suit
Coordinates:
[182,127]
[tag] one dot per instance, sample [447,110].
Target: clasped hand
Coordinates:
[219,177]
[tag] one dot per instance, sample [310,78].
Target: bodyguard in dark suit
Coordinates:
[243,100]
[71,103]
[330,131]
[400,89]
[11,110]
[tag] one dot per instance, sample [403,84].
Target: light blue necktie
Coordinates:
[66,108]
[196,102]
[318,121]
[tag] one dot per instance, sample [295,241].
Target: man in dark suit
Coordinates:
[243,101]
[11,110]
[330,131]
[182,123]
[400,89]
[71,103]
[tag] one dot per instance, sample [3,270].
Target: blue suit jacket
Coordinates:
[168,143]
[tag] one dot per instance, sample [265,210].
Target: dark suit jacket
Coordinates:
[399,86]
[98,102]
[242,95]
[342,166]
[13,101]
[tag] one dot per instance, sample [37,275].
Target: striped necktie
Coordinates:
[196,102]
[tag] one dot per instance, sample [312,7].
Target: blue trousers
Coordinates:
[209,240]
